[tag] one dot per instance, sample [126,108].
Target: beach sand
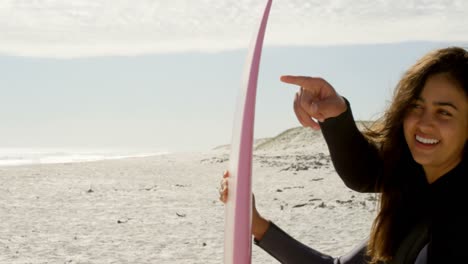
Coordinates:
[165,209]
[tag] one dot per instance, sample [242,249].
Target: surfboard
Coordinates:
[238,209]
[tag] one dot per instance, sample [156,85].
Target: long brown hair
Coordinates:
[389,226]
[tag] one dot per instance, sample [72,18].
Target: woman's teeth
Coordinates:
[426,140]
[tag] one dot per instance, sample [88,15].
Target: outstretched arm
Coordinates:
[356,160]
[286,249]
[317,105]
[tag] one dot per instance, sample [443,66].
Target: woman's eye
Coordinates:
[416,106]
[445,113]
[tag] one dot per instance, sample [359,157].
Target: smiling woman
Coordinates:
[423,140]
[436,125]
[415,157]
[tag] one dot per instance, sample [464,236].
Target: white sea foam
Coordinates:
[25,156]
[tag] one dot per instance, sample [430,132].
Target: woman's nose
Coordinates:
[426,119]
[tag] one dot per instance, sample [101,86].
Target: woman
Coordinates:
[415,159]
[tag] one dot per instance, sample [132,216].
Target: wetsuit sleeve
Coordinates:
[356,161]
[286,249]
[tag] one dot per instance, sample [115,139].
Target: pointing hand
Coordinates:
[315,101]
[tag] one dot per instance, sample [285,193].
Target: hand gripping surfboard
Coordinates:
[238,209]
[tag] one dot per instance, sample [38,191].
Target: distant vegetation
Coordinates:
[292,139]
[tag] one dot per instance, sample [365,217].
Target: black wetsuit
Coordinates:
[435,225]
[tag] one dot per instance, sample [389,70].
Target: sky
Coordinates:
[164,75]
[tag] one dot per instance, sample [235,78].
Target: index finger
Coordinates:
[303,81]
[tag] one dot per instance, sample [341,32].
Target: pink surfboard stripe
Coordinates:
[237,238]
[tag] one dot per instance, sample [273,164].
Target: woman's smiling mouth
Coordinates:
[426,141]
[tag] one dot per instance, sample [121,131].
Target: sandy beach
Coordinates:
[165,208]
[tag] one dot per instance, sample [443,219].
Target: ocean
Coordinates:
[26,156]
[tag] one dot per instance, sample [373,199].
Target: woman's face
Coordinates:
[436,126]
